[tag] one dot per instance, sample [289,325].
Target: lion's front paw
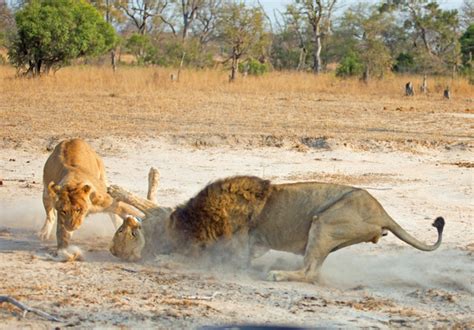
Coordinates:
[69,254]
[44,234]
[275,276]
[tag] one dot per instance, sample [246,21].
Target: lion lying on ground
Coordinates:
[74,186]
[311,219]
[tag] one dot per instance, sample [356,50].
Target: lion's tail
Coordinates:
[398,231]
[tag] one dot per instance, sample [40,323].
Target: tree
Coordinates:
[207,20]
[113,15]
[295,31]
[140,46]
[189,11]
[467,45]
[109,9]
[318,15]
[141,13]
[6,22]
[367,25]
[242,31]
[51,33]
[467,13]
[434,34]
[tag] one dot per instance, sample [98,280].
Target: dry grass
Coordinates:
[147,80]
[138,102]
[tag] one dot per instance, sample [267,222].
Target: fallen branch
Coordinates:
[129,270]
[27,309]
[201,297]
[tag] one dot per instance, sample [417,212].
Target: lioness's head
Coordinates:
[71,202]
[128,241]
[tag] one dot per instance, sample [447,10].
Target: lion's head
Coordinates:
[72,203]
[128,241]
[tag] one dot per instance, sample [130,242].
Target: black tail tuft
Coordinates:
[439,224]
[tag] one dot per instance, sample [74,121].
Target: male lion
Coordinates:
[74,186]
[308,218]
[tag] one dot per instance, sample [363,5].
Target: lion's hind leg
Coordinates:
[339,226]
[317,249]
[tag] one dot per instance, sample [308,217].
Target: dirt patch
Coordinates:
[463,164]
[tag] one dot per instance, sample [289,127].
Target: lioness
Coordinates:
[310,218]
[74,186]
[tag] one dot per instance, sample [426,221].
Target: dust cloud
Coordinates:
[29,214]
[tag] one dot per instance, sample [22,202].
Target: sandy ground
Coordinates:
[383,286]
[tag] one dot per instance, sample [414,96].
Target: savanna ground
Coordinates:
[415,154]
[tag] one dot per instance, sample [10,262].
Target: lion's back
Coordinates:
[292,206]
[71,155]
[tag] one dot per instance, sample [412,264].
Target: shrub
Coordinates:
[350,65]
[253,67]
[404,62]
[50,33]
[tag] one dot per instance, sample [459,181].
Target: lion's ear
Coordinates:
[132,222]
[53,189]
[86,189]
[96,199]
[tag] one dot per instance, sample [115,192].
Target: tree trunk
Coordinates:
[366,75]
[185,26]
[317,50]
[37,70]
[424,85]
[112,60]
[302,59]
[235,67]
[181,65]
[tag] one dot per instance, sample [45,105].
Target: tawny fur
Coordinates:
[75,185]
[221,209]
[308,218]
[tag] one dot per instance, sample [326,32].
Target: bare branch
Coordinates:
[27,309]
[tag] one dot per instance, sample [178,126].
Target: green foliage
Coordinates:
[140,46]
[292,46]
[350,65]
[51,33]
[368,25]
[253,67]
[467,46]
[405,62]
[168,52]
[242,31]
[434,31]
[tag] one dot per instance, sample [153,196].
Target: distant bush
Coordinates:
[140,46]
[349,66]
[404,62]
[51,33]
[467,46]
[253,67]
